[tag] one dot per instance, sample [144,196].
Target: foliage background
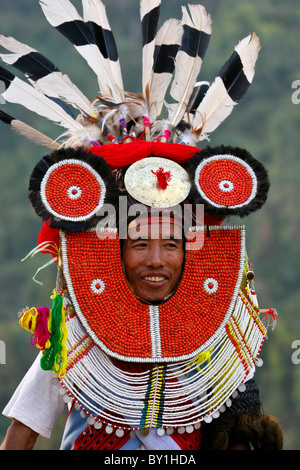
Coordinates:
[266,122]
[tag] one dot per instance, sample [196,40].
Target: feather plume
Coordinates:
[64,17]
[85,137]
[18,91]
[44,75]
[29,132]
[149,13]
[200,89]
[94,14]
[167,43]
[196,36]
[228,88]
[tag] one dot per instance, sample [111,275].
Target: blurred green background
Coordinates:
[266,123]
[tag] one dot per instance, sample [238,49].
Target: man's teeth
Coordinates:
[154,279]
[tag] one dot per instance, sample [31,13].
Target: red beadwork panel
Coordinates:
[72,197]
[226,182]
[120,324]
[205,294]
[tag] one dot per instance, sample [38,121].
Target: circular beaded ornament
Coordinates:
[228,181]
[72,190]
[70,186]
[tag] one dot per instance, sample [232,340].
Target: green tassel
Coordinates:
[51,358]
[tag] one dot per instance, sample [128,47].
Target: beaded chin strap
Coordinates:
[196,349]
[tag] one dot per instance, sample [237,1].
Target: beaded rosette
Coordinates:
[128,363]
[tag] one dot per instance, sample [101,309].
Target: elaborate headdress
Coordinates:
[189,354]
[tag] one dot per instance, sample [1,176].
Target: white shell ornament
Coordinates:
[157,182]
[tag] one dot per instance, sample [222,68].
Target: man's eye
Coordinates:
[139,245]
[171,245]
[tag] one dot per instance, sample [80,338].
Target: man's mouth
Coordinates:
[154,278]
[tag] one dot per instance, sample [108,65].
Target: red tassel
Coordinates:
[120,156]
[42,334]
[270,312]
[163,177]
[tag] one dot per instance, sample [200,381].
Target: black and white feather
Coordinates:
[199,91]
[149,14]
[167,43]
[44,75]
[18,91]
[175,51]
[228,88]
[64,17]
[22,93]
[196,35]
[94,15]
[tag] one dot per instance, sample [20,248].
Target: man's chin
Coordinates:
[154,297]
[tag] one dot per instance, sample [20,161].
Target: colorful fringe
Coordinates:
[49,333]
[154,399]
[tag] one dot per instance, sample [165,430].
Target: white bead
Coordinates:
[197,425]
[181,430]
[190,429]
[91,420]
[170,431]
[259,362]
[160,431]
[54,381]
[222,409]
[98,425]
[228,403]
[242,387]
[120,432]
[208,419]
[235,394]
[109,429]
[77,406]
[132,434]
[61,391]
[67,399]
[216,414]
[83,414]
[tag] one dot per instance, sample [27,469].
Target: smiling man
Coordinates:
[151,344]
[153,257]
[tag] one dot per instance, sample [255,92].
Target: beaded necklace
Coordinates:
[157,390]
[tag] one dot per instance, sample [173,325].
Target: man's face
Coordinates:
[153,265]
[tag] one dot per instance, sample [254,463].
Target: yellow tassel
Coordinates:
[28,319]
[200,358]
[64,356]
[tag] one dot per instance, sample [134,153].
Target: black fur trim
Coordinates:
[81,154]
[263,183]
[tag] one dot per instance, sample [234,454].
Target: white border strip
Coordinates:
[155,331]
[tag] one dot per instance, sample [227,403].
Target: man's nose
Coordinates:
[155,257]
